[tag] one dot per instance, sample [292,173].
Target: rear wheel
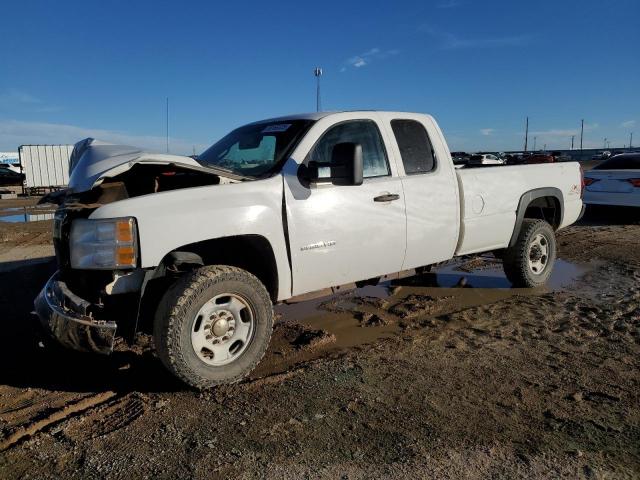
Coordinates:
[213,326]
[529,262]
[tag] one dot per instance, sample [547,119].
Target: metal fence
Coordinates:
[45,166]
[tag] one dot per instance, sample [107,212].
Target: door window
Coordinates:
[364,132]
[415,147]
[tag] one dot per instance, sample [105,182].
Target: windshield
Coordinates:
[255,150]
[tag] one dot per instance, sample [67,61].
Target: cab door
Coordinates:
[430,188]
[340,234]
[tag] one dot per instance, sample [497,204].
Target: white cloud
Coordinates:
[487,131]
[19,100]
[14,133]
[14,96]
[451,41]
[364,59]
[567,132]
[556,132]
[628,124]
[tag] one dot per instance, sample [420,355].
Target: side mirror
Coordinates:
[345,168]
[346,164]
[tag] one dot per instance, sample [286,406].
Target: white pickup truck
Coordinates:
[197,251]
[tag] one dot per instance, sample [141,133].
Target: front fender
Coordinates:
[169,220]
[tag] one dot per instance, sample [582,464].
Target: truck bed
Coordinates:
[489,198]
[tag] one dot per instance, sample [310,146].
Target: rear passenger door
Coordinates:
[430,189]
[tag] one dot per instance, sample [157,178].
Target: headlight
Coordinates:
[104,244]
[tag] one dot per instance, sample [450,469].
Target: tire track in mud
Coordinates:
[107,418]
[32,404]
[29,429]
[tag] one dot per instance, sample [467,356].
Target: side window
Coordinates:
[364,132]
[415,147]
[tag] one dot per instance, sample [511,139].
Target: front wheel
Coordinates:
[529,262]
[213,326]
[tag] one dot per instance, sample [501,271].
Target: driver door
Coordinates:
[340,234]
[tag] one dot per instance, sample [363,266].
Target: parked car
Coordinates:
[514,158]
[616,181]
[540,158]
[460,159]
[9,177]
[601,155]
[561,156]
[197,251]
[485,159]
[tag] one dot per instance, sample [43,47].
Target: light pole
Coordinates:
[535,139]
[630,140]
[318,73]
[572,137]
[604,145]
[581,132]
[526,135]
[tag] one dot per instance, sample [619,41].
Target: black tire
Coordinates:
[177,313]
[516,258]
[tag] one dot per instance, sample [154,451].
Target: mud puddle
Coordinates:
[314,328]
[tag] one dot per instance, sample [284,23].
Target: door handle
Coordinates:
[386,197]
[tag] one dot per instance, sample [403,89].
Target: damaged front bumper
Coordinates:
[64,316]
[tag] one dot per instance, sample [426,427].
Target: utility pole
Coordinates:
[526,135]
[572,137]
[605,143]
[544,149]
[535,139]
[318,73]
[581,132]
[630,140]
[167,124]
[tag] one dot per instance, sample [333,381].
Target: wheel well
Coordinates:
[545,208]
[541,203]
[252,253]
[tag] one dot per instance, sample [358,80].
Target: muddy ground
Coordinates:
[445,375]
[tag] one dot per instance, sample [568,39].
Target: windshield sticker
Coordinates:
[280,127]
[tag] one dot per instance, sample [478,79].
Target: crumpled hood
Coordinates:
[93,160]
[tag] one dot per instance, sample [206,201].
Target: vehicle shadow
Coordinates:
[601,215]
[27,365]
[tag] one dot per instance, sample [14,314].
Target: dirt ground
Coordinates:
[446,375]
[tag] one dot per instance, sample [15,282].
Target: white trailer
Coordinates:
[46,167]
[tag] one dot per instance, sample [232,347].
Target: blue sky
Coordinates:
[104,68]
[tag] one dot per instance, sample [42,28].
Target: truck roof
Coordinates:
[319,115]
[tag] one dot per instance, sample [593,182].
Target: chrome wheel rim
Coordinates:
[538,257]
[222,329]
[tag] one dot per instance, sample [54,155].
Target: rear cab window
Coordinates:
[415,146]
